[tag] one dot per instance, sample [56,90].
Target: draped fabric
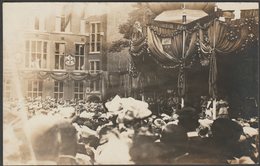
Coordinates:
[173,55]
[144,80]
[136,46]
[170,56]
[210,39]
[192,45]
[58,76]
[166,31]
[213,75]
[222,43]
[155,46]
[219,43]
[61,76]
[43,75]
[79,77]
[181,84]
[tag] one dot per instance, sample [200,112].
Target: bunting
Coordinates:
[207,41]
[222,38]
[61,76]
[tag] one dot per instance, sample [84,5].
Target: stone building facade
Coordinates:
[62,55]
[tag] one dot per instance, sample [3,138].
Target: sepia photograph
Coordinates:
[130,83]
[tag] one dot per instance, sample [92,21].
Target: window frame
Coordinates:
[59,55]
[94,71]
[38,92]
[96,86]
[36,23]
[29,53]
[83,23]
[95,33]
[7,88]
[60,92]
[58,24]
[39,22]
[80,56]
[78,93]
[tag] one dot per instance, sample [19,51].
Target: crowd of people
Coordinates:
[125,131]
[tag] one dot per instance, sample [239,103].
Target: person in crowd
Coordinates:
[228,135]
[112,149]
[188,119]
[131,136]
[171,146]
[53,141]
[222,109]
[218,149]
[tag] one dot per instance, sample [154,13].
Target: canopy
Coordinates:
[178,47]
[175,16]
[163,6]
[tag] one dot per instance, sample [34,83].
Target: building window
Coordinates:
[94,66]
[78,90]
[58,89]
[63,23]
[95,37]
[36,23]
[7,89]
[36,54]
[59,55]
[79,56]
[35,88]
[82,26]
[94,86]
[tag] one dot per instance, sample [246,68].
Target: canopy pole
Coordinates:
[183,45]
[142,96]
[182,102]
[214,109]
[214,45]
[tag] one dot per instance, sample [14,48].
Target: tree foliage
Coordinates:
[119,45]
[138,14]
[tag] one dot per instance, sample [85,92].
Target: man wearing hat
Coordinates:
[172,145]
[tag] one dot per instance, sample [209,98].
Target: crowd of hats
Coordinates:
[122,131]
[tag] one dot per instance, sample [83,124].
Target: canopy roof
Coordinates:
[158,8]
[175,16]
